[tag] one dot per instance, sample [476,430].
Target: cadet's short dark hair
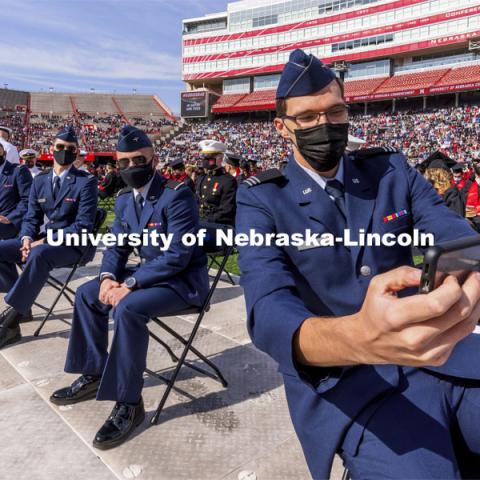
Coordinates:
[281,104]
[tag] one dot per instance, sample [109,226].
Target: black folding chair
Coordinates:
[187,343]
[213,262]
[62,287]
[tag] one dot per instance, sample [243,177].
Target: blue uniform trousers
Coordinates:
[427,429]
[121,369]
[7,231]
[24,289]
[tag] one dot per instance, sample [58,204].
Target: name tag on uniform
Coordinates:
[70,200]
[8,185]
[42,200]
[308,246]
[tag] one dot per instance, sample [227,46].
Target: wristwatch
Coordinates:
[131,283]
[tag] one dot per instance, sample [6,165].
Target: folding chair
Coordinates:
[213,253]
[62,287]
[213,262]
[187,343]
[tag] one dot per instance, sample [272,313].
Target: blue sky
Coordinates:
[76,45]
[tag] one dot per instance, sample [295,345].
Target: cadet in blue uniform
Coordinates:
[165,282]
[15,182]
[338,319]
[68,199]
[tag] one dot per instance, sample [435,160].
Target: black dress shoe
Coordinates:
[83,388]
[10,317]
[119,425]
[8,336]
[27,318]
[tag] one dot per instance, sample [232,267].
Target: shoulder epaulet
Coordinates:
[82,173]
[44,172]
[373,152]
[174,184]
[271,175]
[124,190]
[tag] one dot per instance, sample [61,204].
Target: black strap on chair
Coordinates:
[63,287]
[187,343]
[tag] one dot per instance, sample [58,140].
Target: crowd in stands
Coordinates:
[454,131]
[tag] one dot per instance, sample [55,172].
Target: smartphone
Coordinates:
[457,257]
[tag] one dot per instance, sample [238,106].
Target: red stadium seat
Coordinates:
[259,100]
[355,88]
[227,101]
[410,81]
[460,75]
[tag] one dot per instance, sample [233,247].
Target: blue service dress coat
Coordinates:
[286,285]
[15,183]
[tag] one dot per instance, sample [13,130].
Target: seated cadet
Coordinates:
[165,282]
[15,182]
[68,199]
[387,379]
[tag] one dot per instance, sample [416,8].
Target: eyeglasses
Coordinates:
[60,147]
[337,114]
[139,161]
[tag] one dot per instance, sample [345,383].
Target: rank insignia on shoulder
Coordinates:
[373,151]
[174,184]
[271,175]
[44,172]
[124,190]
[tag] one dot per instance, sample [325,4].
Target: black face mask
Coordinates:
[29,164]
[64,157]
[323,146]
[137,177]
[2,159]
[209,163]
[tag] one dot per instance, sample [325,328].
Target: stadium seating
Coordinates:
[261,100]
[141,105]
[355,88]
[95,103]
[50,102]
[409,81]
[9,99]
[227,101]
[460,75]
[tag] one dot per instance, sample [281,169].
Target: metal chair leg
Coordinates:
[219,376]
[188,345]
[54,304]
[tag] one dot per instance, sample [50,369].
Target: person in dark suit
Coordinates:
[107,186]
[68,199]
[15,183]
[164,282]
[387,379]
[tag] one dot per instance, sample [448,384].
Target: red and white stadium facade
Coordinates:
[385,49]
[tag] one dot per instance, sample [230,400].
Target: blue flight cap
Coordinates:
[131,139]
[67,134]
[303,75]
